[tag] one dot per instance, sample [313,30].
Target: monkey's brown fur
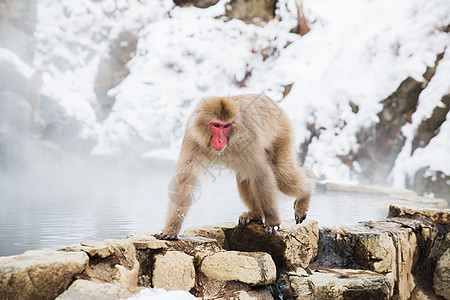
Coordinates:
[260,149]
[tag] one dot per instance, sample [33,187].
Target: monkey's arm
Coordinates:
[181,192]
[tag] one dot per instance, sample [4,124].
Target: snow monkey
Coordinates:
[251,135]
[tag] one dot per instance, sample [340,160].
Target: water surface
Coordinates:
[49,209]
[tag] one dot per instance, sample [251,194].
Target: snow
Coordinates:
[161,294]
[357,50]
[11,58]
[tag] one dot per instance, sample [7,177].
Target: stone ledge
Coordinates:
[374,260]
[385,191]
[441,216]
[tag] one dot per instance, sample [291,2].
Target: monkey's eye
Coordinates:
[226,126]
[216,125]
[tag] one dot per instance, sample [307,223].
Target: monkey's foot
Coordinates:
[301,208]
[271,230]
[165,236]
[248,217]
[300,217]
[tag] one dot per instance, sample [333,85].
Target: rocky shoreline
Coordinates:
[405,256]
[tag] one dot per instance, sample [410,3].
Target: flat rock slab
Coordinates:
[99,249]
[196,246]
[90,290]
[334,283]
[217,232]
[255,268]
[369,189]
[439,216]
[39,274]
[258,294]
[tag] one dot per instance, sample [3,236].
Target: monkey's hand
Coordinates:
[165,236]
[248,217]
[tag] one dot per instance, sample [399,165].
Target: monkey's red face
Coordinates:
[219,131]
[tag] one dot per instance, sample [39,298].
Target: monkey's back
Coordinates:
[263,115]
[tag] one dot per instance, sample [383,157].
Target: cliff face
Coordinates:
[17,26]
[384,143]
[402,257]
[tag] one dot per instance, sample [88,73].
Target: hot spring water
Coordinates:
[49,210]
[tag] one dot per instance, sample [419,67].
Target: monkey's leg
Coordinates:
[265,186]
[291,180]
[247,194]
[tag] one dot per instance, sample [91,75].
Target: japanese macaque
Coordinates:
[251,135]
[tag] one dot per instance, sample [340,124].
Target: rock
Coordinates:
[112,70]
[147,246]
[329,283]
[217,232]
[289,248]
[381,246]
[430,127]
[174,270]
[423,294]
[370,189]
[438,202]
[441,278]
[407,251]
[39,274]
[89,290]
[257,12]
[205,3]
[426,181]
[375,252]
[258,294]
[438,216]
[146,240]
[210,288]
[112,261]
[198,247]
[255,269]
[309,228]
[386,191]
[381,143]
[196,3]
[93,249]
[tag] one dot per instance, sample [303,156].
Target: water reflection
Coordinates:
[49,210]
